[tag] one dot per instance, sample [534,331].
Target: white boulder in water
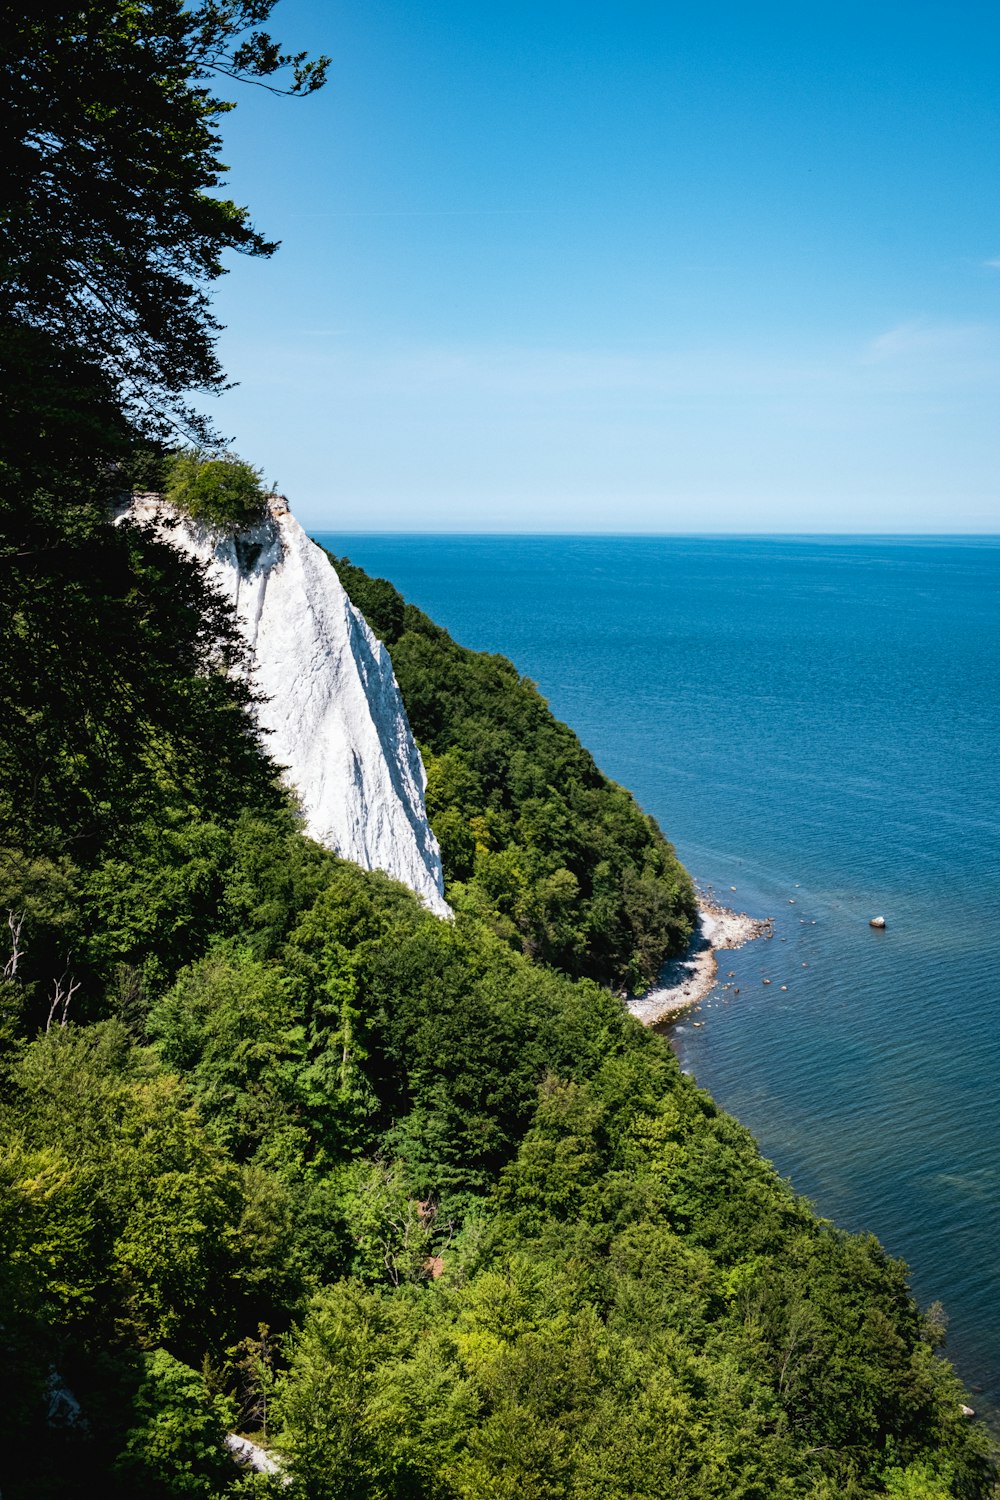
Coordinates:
[332,708]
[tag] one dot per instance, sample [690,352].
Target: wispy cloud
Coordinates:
[994,262]
[920,357]
[541,374]
[921,338]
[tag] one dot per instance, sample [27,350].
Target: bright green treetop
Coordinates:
[223,492]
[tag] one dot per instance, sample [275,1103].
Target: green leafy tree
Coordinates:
[371,1405]
[175,1446]
[252,1362]
[391,1230]
[111,223]
[225,493]
[920,1481]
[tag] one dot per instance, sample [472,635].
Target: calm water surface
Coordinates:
[815,723]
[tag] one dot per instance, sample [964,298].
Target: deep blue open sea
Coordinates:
[815,722]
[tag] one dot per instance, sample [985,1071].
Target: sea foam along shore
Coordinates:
[686,980]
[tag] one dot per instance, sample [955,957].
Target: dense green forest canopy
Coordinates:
[301,1160]
[281,1153]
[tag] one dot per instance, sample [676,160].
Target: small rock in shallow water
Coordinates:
[877,922]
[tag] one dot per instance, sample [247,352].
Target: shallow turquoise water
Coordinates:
[814,722]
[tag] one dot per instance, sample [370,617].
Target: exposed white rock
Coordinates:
[251,1456]
[332,707]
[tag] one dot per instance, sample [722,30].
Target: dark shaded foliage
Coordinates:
[112,229]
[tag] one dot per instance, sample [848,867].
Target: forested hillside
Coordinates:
[534,838]
[282,1154]
[298,1159]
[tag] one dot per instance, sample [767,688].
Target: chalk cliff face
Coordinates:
[335,716]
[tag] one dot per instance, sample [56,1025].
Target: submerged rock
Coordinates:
[332,708]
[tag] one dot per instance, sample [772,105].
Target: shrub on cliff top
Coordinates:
[222,492]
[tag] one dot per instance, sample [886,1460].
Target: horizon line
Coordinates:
[874,536]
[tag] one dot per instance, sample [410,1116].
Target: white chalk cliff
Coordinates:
[332,707]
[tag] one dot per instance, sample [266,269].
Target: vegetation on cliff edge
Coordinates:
[558,859]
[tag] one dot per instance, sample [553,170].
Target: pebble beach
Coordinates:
[685,980]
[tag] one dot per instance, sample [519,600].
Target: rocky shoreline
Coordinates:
[686,980]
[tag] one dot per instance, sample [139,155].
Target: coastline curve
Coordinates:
[686,980]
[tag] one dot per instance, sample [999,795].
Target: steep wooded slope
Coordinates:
[560,860]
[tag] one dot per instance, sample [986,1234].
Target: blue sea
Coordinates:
[814,723]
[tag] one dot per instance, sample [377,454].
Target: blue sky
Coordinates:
[594,267]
